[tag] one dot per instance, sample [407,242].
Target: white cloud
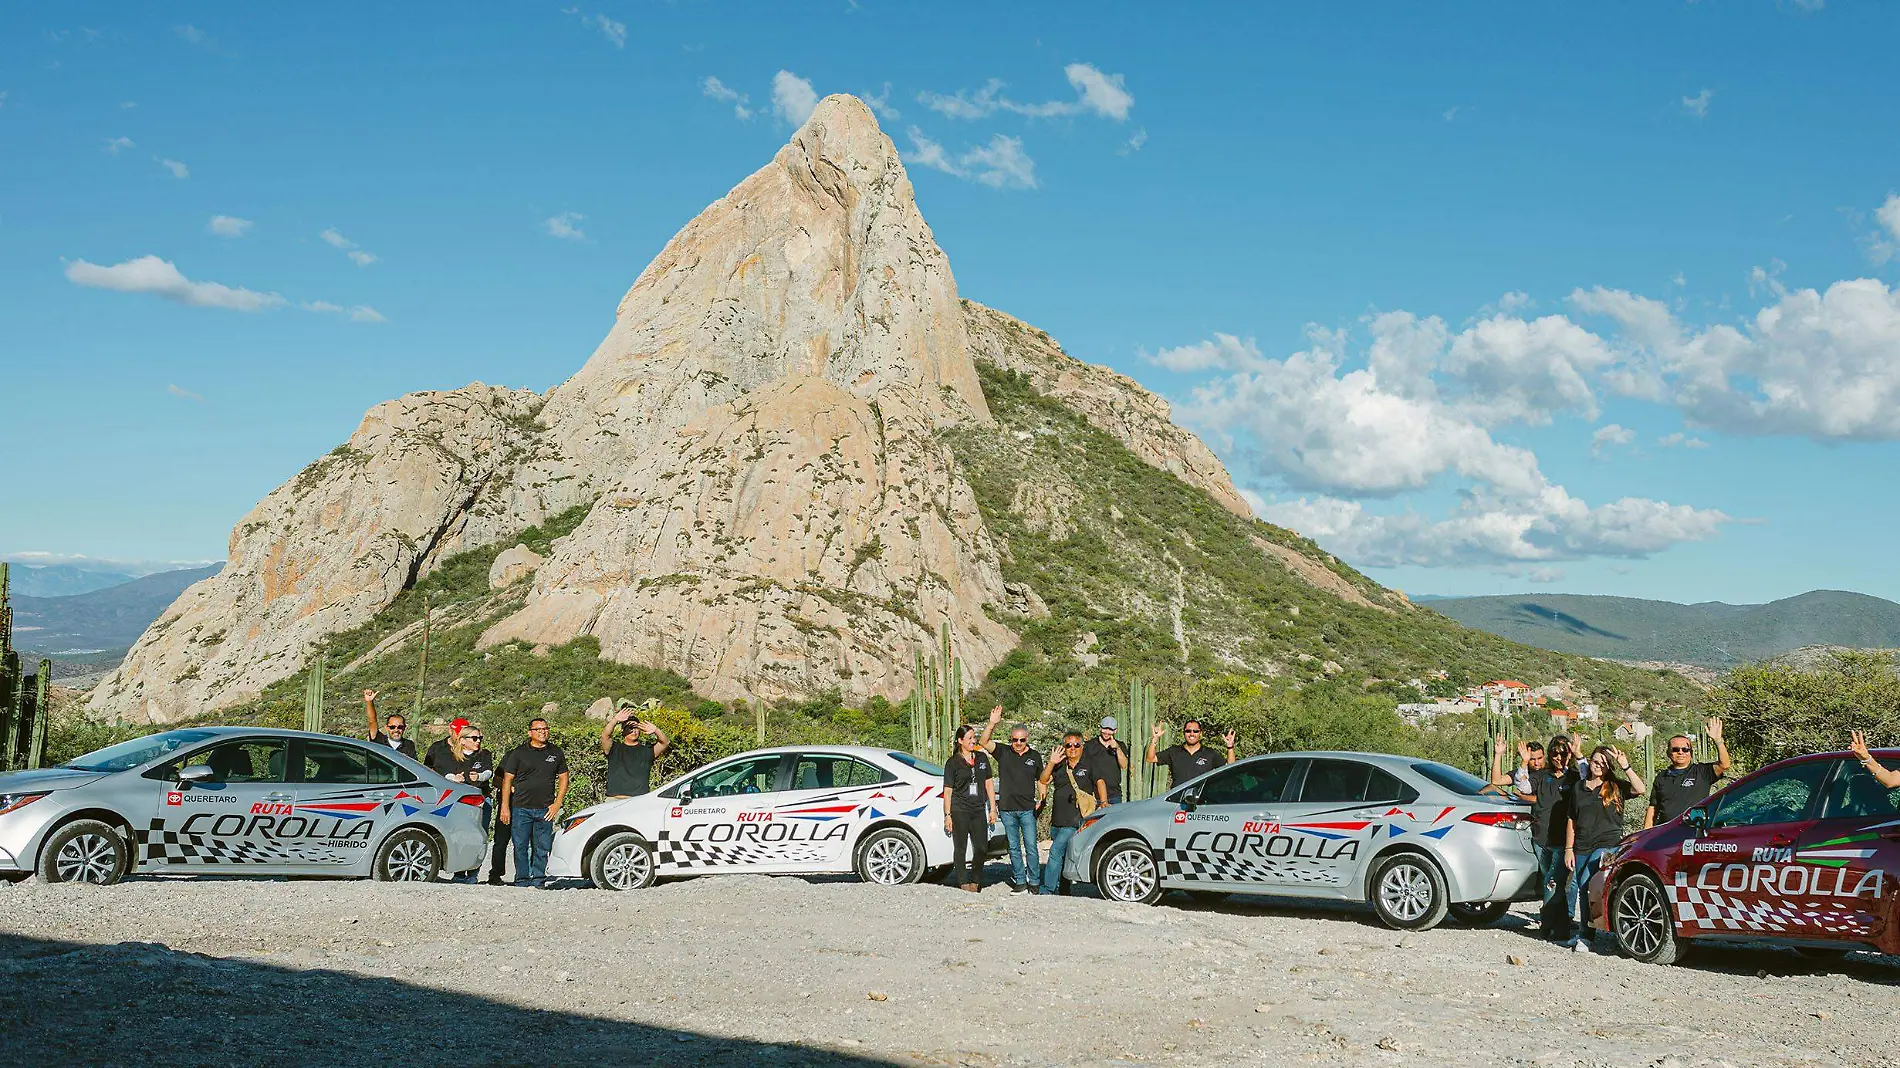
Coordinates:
[116,145]
[880,104]
[349,248]
[1133,144]
[336,240]
[1452,112]
[149,274]
[1678,279]
[1514,301]
[1609,435]
[1882,243]
[178,169]
[719,91]
[229,226]
[361,258]
[184,394]
[1096,93]
[1681,440]
[1224,351]
[362,313]
[1698,105]
[1000,164]
[192,35]
[614,31]
[793,97]
[563,226]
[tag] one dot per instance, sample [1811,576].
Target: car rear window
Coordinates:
[1458,782]
[920,764]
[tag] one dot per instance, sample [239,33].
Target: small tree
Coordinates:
[1772,711]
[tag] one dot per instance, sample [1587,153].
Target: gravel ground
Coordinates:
[747,969]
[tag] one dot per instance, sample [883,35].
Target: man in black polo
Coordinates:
[1109,759]
[1549,781]
[395,732]
[1190,759]
[533,784]
[1686,782]
[631,756]
[1019,792]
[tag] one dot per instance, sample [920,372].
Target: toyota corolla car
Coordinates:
[231,800]
[1418,840]
[1800,853]
[799,810]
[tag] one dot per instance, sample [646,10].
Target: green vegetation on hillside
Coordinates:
[1711,634]
[1777,710]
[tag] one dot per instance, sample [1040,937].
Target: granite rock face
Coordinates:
[771,513]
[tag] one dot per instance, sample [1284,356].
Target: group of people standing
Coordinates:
[987,782]
[525,790]
[1577,805]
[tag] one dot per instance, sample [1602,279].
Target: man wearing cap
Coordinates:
[1106,755]
[631,755]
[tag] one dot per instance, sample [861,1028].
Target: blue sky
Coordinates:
[1485,298]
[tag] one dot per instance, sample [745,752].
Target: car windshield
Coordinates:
[1458,782]
[128,755]
[925,766]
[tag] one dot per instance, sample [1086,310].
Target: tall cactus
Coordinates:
[936,700]
[42,711]
[313,697]
[9,666]
[1137,730]
[1499,723]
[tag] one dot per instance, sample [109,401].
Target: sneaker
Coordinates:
[1579,946]
[1019,889]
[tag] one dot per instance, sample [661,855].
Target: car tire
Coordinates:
[85,851]
[1408,892]
[1477,913]
[622,861]
[1641,921]
[411,855]
[889,856]
[1126,871]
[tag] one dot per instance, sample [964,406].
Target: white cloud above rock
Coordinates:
[793,98]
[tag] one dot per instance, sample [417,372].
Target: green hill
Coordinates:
[1711,634]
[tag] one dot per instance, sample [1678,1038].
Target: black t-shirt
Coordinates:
[1102,758]
[629,769]
[1677,790]
[1016,777]
[477,770]
[441,758]
[535,771]
[406,747]
[1599,826]
[1551,811]
[1183,765]
[964,781]
[1063,810]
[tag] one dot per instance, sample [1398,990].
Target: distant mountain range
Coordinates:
[98,620]
[60,580]
[1710,634]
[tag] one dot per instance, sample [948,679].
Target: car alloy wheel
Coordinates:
[889,861]
[411,860]
[1129,875]
[1408,892]
[87,858]
[626,866]
[1640,919]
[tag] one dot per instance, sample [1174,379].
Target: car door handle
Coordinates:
[1780,840]
[279,795]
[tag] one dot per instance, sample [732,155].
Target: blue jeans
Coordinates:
[1577,889]
[1020,829]
[1058,852]
[1555,877]
[534,838]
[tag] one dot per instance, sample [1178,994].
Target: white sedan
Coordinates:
[797,810]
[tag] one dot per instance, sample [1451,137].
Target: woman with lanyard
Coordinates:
[969,792]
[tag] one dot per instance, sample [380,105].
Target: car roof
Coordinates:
[845,750]
[1385,759]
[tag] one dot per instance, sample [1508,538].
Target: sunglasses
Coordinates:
[1192,730]
[531,730]
[1019,741]
[1071,745]
[1680,749]
[471,737]
[394,727]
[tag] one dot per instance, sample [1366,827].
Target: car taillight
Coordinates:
[1510,821]
[471,799]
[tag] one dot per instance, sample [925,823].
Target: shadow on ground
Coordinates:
[143,1003]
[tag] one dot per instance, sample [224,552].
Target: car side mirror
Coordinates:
[196,773]
[1697,817]
[686,794]
[1191,798]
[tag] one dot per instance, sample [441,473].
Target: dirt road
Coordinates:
[743,970]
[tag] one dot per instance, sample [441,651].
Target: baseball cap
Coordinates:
[1109,723]
[457,724]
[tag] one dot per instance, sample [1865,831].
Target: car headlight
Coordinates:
[572,822]
[11,802]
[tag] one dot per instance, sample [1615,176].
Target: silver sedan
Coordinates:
[1416,839]
[237,800]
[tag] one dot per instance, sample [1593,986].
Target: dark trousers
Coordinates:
[498,852]
[967,828]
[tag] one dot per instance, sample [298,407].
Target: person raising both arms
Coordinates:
[395,729]
[1596,826]
[1685,783]
[1076,789]
[1885,776]
[631,756]
[1190,759]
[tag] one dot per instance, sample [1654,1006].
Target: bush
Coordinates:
[1771,711]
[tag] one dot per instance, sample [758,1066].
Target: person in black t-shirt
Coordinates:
[1190,759]
[460,758]
[395,728]
[630,757]
[969,791]
[1068,772]
[1685,783]
[1108,756]
[1018,798]
[1596,826]
[533,785]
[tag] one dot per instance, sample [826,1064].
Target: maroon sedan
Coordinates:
[1800,853]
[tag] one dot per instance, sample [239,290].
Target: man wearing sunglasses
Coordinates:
[1686,782]
[1190,759]
[1019,793]
[395,732]
[533,785]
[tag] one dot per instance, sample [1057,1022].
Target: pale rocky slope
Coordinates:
[774,510]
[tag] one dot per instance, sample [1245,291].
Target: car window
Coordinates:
[1261,783]
[935,771]
[1384,786]
[1856,794]
[128,755]
[1335,781]
[241,760]
[823,771]
[334,762]
[1453,779]
[1777,797]
[752,776]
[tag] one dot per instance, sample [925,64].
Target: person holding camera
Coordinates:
[631,755]
[1076,789]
